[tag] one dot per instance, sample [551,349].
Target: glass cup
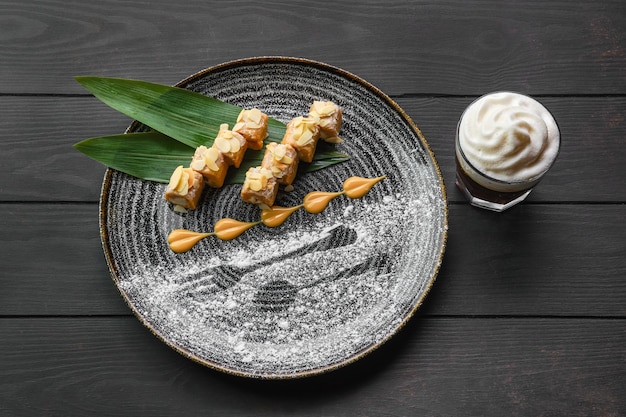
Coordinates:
[505,143]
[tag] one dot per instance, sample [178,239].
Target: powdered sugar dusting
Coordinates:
[327,306]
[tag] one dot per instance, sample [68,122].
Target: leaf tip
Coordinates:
[80,78]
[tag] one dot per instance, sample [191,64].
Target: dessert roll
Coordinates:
[211,164]
[302,133]
[184,188]
[259,187]
[252,125]
[231,145]
[282,160]
[330,118]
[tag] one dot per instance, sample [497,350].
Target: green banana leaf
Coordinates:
[189,117]
[181,121]
[150,156]
[153,156]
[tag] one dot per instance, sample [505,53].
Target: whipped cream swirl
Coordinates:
[509,137]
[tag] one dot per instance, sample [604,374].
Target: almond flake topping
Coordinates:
[210,158]
[198,163]
[303,129]
[222,144]
[175,178]
[250,118]
[257,178]
[254,117]
[180,180]
[324,108]
[334,139]
[305,138]
[279,151]
[227,141]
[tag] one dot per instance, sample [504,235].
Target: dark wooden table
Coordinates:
[528,314]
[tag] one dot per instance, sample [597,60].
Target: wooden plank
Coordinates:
[52,262]
[545,260]
[458,47]
[435,366]
[38,163]
[37,160]
[561,260]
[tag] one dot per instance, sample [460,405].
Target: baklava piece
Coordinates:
[231,145]
[211,164]
[282,160]
[252,125]
[259,187]
[184,188]
[302,133]
[330,118]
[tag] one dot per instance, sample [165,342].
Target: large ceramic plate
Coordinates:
[321,290]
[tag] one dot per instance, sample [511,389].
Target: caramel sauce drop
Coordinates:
[316,201]
[181,240]
[276,215]
[227,229]
[357,187]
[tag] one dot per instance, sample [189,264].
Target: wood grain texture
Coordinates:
[52,262]
[561,260]
[527,316]
[445,47]
[38,162]
[434,367]
[534,260]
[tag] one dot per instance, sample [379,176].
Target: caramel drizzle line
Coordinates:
[182,240]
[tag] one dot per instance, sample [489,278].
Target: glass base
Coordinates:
[499,206]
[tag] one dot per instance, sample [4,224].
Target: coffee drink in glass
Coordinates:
[505,144]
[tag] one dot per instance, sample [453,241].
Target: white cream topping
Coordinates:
[509,137]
